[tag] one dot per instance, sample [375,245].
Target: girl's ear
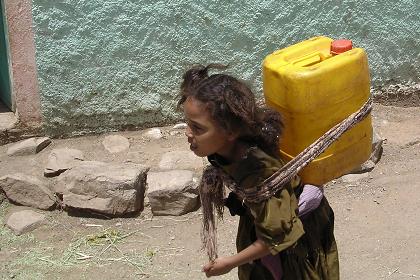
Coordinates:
[232,136]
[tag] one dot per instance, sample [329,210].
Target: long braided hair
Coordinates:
[232,105]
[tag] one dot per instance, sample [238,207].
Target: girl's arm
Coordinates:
[223,265]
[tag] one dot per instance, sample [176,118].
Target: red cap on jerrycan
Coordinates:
[340,46]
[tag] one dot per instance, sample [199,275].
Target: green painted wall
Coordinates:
[113,64]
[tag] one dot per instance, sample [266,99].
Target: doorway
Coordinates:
[6,103]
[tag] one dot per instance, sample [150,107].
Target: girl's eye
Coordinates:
[196,128]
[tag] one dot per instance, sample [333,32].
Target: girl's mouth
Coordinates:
[193,147]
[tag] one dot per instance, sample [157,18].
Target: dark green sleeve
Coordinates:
[276,221]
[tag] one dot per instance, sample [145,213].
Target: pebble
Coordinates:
[180,126]
[24,221]
[175,133]
[154,133]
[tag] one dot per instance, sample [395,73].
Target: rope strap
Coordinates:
[282,176]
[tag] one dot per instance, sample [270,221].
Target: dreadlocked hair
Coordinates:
[232,105]
[212,192]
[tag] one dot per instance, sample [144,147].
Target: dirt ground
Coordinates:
[377,224]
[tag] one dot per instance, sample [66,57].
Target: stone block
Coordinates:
[27,190]
[112,189]
[173,192]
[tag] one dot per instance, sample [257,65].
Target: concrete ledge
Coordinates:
[7,120]
[17,131]
[398,94]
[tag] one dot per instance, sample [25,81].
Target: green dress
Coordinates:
[306,246]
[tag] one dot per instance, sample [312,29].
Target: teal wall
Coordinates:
[117,64]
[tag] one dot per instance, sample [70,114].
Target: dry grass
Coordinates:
[32,259]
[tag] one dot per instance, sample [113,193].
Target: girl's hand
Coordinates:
[218,267]
[223,265]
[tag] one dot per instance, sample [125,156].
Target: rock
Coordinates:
[114,189]
[367,166]
[29,146]
[2,198]
[153,133]
[24,221]
[146,201]
[377,148]
[180,160]
[173,192]
[351,178]
[28,191]
[180,126]
[135,157]
[375,156]
[176,133]
[56,188]
[60,160]
[115,143]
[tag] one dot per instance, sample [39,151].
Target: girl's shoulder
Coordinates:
[254,167]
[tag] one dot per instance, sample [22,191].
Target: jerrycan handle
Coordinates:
[309,59]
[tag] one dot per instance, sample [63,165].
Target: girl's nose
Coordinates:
[188,132]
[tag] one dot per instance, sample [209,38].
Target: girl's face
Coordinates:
[205,136]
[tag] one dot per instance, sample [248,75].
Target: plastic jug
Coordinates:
[315,87]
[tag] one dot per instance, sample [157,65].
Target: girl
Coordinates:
[241,143]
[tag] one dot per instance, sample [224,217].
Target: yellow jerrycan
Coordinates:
[316,84]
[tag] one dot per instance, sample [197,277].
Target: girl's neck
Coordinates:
[236,152]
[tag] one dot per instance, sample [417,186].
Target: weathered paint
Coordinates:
[23,74]
[111,64]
